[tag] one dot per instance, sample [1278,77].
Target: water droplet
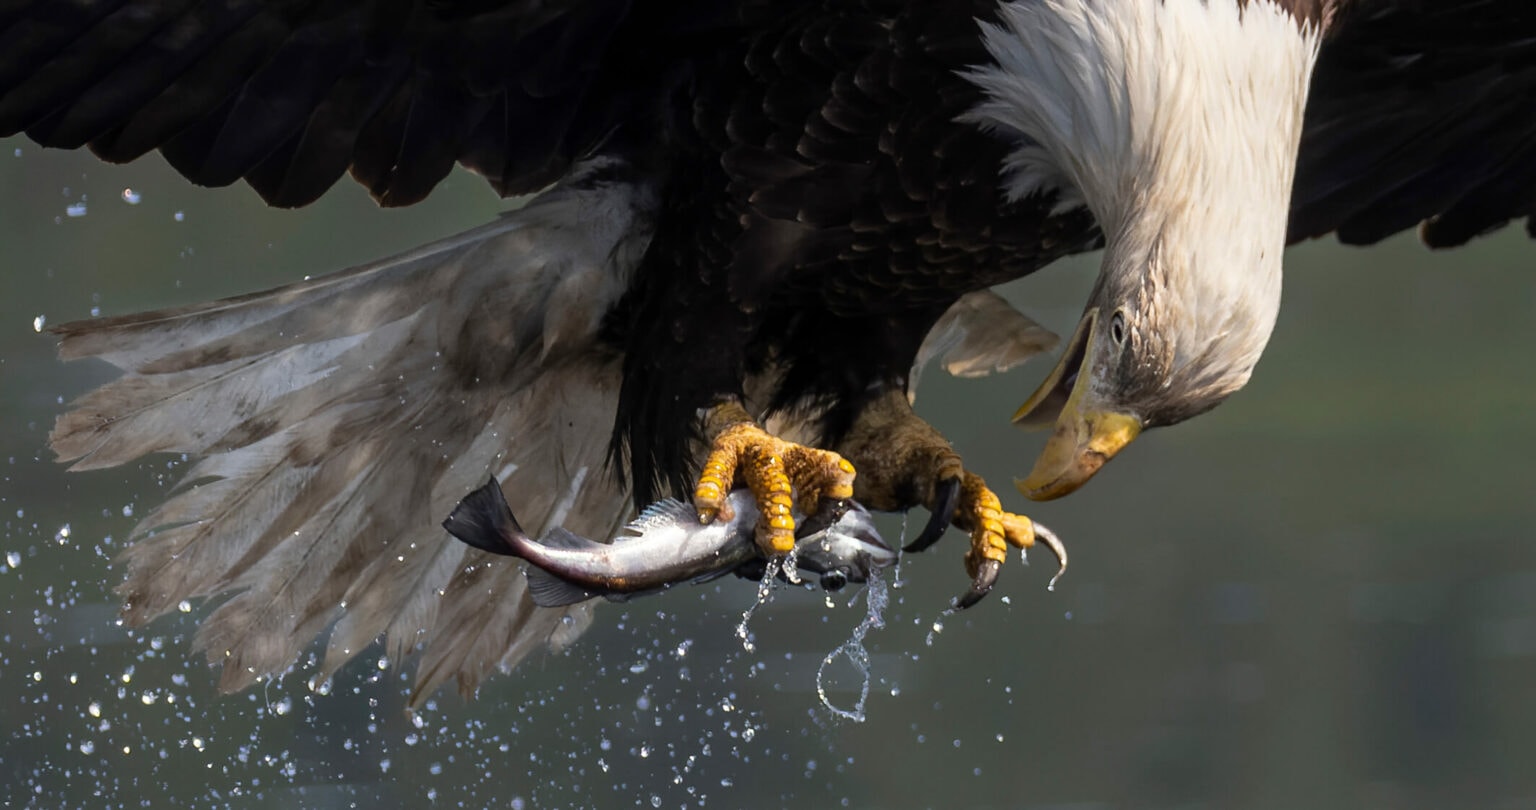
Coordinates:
[75,209]
[178,216]
[94,709]
[39,322]
[939,626]
[13,559]
[87,747]
[131,197]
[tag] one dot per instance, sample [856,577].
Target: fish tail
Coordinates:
[484,519]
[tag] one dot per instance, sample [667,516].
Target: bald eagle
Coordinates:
[750,221]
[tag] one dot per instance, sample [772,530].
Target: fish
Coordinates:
[664,546]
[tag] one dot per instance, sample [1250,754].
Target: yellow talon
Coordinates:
[780,474]
[993,531]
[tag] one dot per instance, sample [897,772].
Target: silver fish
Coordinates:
[665,545]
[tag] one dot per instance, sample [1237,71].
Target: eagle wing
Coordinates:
[289,95]
[1421,113]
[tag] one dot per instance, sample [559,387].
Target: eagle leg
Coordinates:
[780,475]
[903,461]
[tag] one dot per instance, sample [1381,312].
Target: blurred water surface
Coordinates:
[1322,594]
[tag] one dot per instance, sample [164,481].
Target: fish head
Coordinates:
[847,550]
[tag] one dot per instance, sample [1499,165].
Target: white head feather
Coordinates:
[1176,123]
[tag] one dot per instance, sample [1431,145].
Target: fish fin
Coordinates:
[561,537]
[549,590]
[485,520]
[711,576]
[664,513]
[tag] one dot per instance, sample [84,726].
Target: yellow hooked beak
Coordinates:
[1086,435]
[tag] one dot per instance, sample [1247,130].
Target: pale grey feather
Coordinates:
[980,334]
[337,421]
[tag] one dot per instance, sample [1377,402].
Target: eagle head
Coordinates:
[1176,124]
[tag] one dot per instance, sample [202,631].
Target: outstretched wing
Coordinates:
[290,94]
[1421,112]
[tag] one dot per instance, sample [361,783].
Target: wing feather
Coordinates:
[337,420]
[1420,115]
[289,94]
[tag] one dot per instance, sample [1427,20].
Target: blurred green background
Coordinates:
[1322,594]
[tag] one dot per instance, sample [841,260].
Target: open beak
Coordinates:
[1086,435]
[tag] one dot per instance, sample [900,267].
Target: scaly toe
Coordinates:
[776,471]
[993,531]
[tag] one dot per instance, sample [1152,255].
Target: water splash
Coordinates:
[764,591]
[876,597]
[790,566]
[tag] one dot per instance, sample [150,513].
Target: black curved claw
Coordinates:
[986,577]
[946,498]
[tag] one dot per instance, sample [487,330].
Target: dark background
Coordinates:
[1322,594]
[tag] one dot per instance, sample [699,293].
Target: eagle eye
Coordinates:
[1117,329]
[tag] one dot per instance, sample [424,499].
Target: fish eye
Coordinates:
[833,580]
[1117,328]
